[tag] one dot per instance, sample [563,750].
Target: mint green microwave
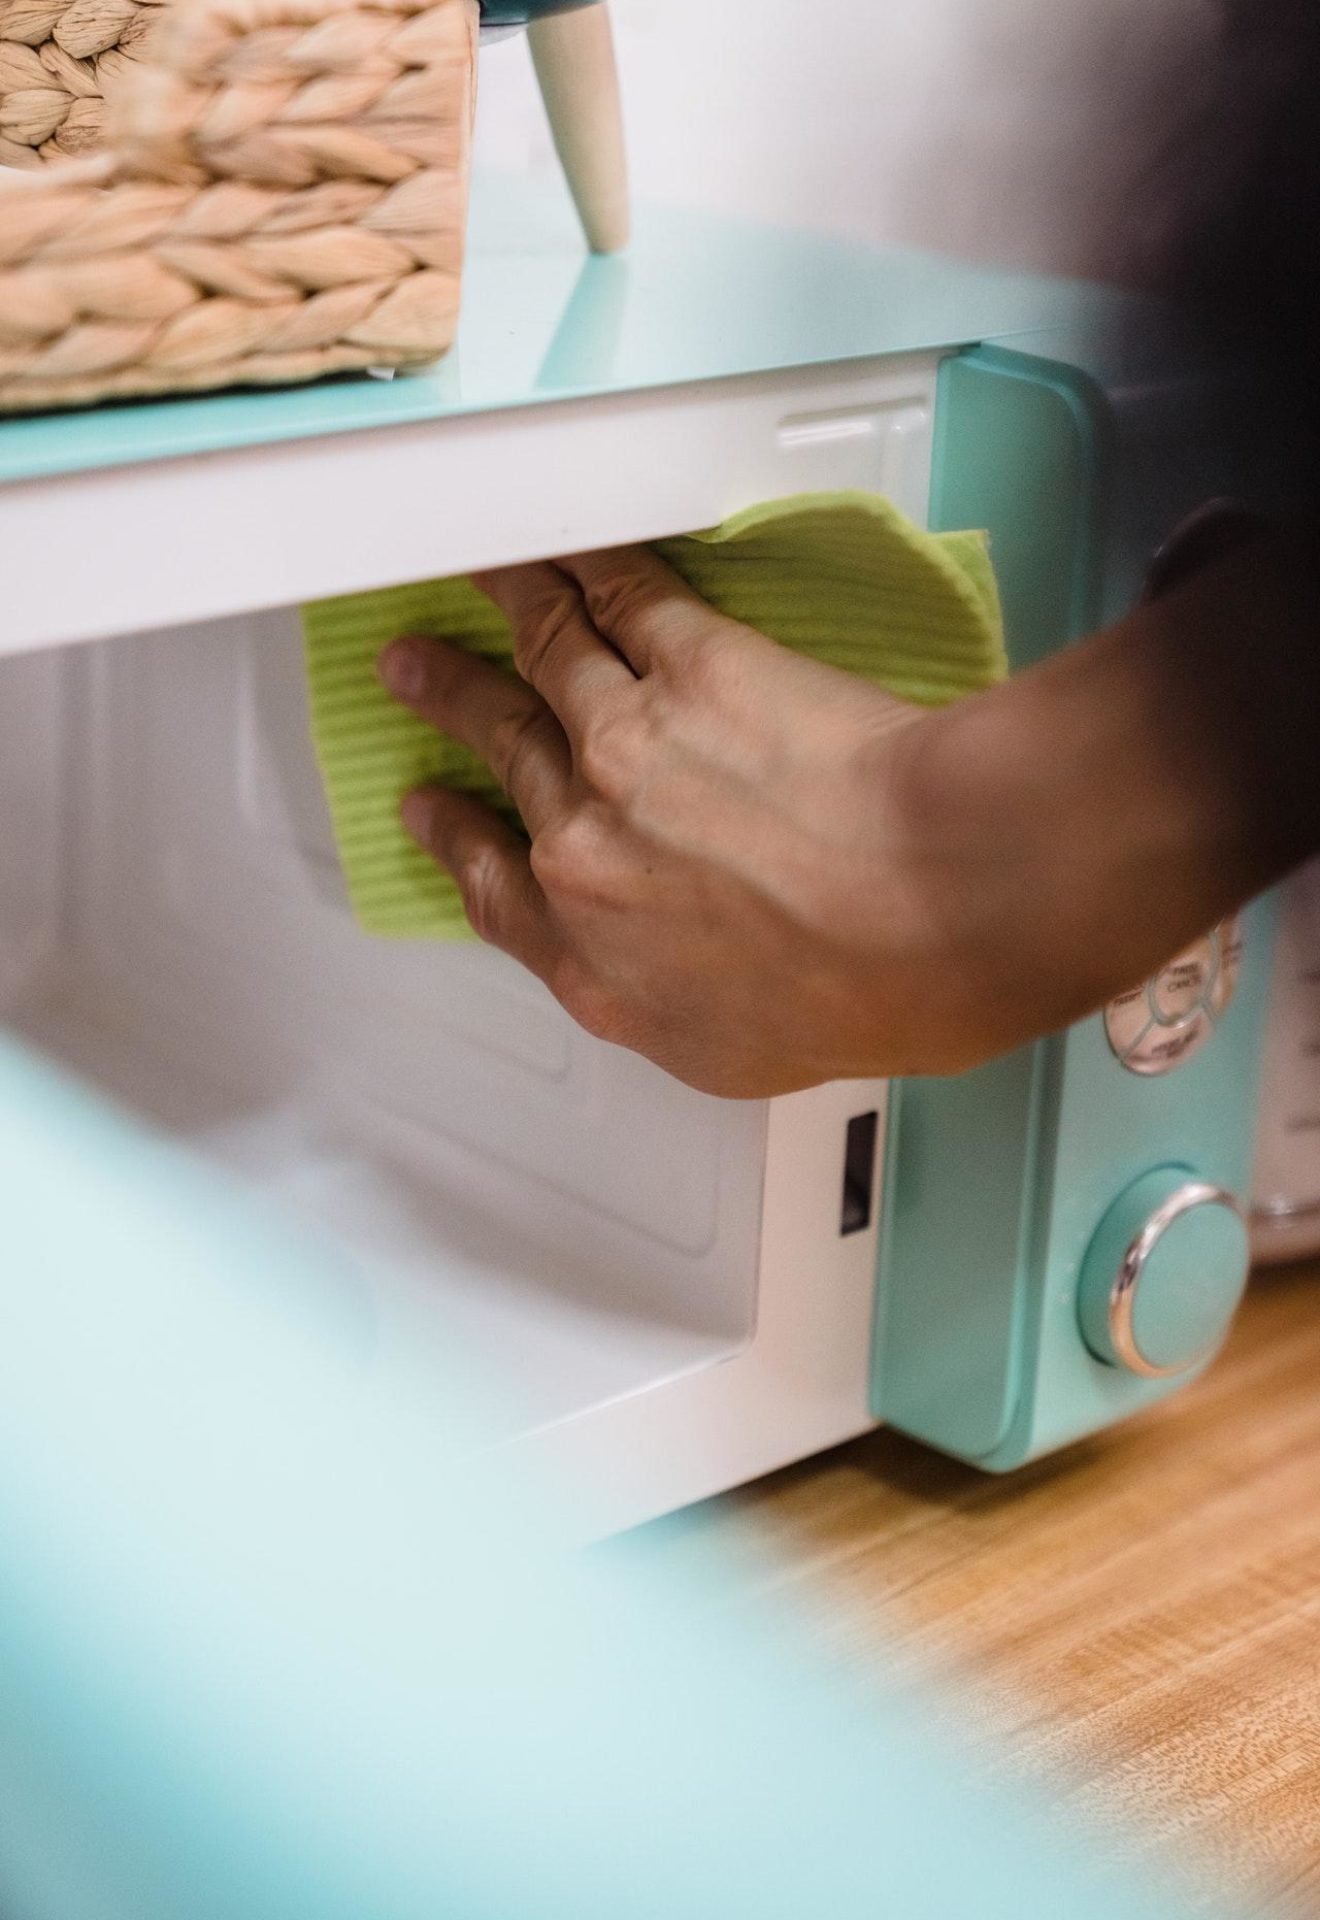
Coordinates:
[663,1294]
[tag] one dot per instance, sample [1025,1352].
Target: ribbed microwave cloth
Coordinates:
[845,578]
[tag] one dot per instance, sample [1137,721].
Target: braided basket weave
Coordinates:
[56,58]
[282,195]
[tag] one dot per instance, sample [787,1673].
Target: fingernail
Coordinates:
[403,669]
[417,813]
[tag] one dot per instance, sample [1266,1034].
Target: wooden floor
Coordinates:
[1139,1618]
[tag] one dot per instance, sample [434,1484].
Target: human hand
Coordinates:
[716,873]
[764,873]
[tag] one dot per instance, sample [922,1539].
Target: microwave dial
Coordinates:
[1164,1274]
[1165,1022]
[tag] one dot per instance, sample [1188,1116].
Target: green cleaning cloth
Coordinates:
[842,577]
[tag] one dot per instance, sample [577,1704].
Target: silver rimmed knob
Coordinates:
[1163,1275]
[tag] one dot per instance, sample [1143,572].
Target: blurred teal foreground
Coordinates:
[275,1643]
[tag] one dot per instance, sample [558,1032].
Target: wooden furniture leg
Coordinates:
[579,76]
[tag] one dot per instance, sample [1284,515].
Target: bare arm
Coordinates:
[763,873]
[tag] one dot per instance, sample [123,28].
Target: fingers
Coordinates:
[492,869]
[498,717]
[642,607]
[556,648]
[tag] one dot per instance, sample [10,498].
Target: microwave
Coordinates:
[668,1294]
[1286,1187]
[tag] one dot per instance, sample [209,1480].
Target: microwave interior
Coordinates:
[174,929]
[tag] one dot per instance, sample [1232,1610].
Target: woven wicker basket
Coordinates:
[282,195]
[56,59]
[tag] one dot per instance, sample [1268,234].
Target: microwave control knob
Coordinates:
[1163,1275]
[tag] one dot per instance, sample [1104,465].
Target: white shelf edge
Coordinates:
[170,543]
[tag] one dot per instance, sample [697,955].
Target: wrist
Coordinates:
[1071,830]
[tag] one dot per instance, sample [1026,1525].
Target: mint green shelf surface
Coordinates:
[696,298]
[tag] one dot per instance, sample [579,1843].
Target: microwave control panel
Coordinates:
[1158,1026]
[1063,1231]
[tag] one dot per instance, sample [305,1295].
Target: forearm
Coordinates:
[764,873]
[1078,826]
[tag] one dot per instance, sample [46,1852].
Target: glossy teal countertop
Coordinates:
[696,298]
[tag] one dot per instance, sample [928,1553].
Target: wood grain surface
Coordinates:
[1135,1625]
